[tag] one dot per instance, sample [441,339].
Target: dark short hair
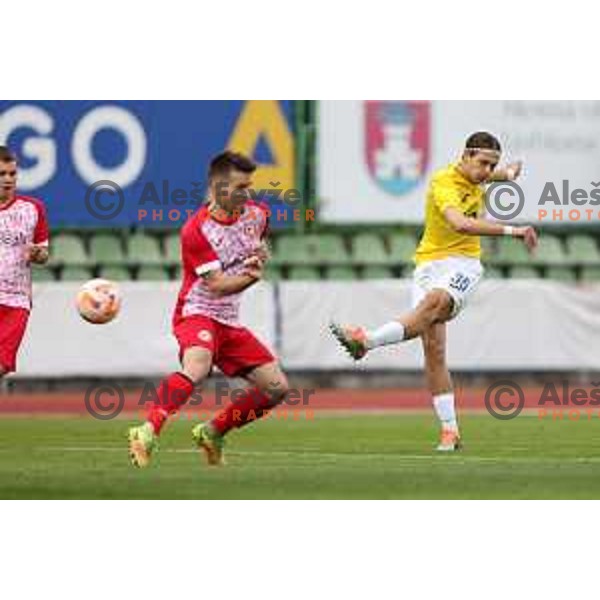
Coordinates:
[222,164]
[482,140]
[6,155]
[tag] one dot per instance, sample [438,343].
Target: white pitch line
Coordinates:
[451,459]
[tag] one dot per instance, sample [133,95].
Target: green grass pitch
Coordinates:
[333,456]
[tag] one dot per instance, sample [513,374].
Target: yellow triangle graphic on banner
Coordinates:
[265,118]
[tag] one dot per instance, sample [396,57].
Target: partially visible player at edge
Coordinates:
[223,252]
[23,241]
[447,271]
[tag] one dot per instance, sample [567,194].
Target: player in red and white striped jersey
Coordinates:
[23,241]
[223,252]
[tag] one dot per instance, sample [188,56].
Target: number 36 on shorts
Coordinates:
[460,282]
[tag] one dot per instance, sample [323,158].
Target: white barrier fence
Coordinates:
[521,325]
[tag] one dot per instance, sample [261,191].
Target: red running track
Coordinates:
[322,399]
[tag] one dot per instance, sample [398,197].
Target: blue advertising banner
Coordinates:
[143,163]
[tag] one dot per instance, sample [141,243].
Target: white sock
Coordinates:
[444,409]
[390,333]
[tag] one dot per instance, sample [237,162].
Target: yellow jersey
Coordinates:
[449,187]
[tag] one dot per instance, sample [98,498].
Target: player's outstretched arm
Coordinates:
[471,226]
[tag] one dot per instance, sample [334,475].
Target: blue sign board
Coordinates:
[143,163]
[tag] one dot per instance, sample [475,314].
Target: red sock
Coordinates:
[172,393]
[249,407]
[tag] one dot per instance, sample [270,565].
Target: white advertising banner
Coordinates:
[139,342]
[520,325]
[376,157]
[508,325]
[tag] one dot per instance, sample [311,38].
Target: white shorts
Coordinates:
[458,275]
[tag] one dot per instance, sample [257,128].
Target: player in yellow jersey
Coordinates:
[447,271]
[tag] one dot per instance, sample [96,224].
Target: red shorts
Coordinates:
[13,323]
[236,350]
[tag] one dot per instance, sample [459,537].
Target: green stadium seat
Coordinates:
[68,249]
[106,249]
[341,273]
[143,249]
[75,274]
[493,273]
[42,274]
[590,274]
[512,252]
[152,273]
[273,273]
[582,249]
[376,272]
[548,252]
[173,249]
[115,273]
[402,248]
[304,273]
[523,272]
[290,249]
[561,273]
[369,249]
[489,249]
[178,272]
[325,249]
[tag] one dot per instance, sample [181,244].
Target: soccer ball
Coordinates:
[98,301]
